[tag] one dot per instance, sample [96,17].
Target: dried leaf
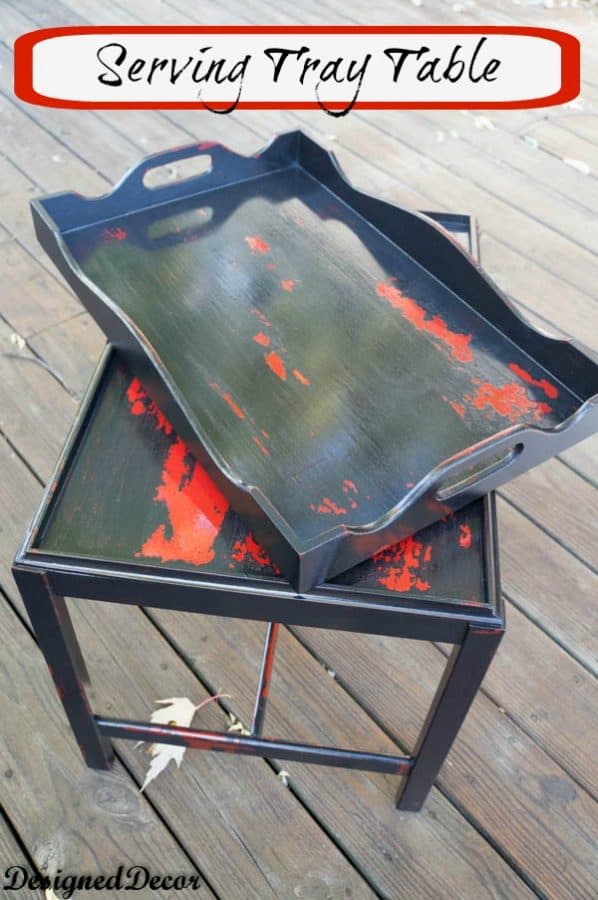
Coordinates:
[175,711]
[236,726]
[578,164]
[17,341]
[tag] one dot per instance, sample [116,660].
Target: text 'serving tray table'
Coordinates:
[344,372]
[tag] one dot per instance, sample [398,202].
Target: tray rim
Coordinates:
[327,551]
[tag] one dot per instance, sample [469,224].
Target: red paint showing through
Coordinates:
[257,245]
[274,361]
[269,661]
[259,314]
[195,507]
[458,344]
[301,377]
[458,407]
[228,399]
[465,536]
[262,447]
[510,401]
[196,511]
[549,389]
[261,338]
[288,285]
[327,506]
[403,564]
[248,548]
[141,404]
[114,234]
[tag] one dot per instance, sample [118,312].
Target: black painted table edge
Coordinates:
[452,484]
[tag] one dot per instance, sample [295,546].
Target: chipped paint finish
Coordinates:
[509,400]
[275,362]
[257,245]
[114,234]
[404,566]
[458,344]
[465,536]
[169,511]
[549,389]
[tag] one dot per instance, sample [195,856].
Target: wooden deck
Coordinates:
[513,813]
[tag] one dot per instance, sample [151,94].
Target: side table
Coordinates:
[130,516]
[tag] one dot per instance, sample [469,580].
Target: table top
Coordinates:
[130,493]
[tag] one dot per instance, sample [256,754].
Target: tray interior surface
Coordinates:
[131,493]
[320,362]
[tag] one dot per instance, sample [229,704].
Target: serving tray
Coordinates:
[341,368]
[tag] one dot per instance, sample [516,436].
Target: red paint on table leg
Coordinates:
[274,361]
[261,338]
[458,344]
[549,389]
[256,244]
[349,485]
[287,284]
[465,536]
[195,508]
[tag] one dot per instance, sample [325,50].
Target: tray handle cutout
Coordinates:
[476,473]
[180,171]
[203,157]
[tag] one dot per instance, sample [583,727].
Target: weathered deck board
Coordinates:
[551,586]
[307,704]
[523,815]
[12,855]
[511,788]
[67,816]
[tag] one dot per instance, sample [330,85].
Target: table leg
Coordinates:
[57,640]
[460,681]
[263,689]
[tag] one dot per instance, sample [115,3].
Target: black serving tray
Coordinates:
[340,367]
